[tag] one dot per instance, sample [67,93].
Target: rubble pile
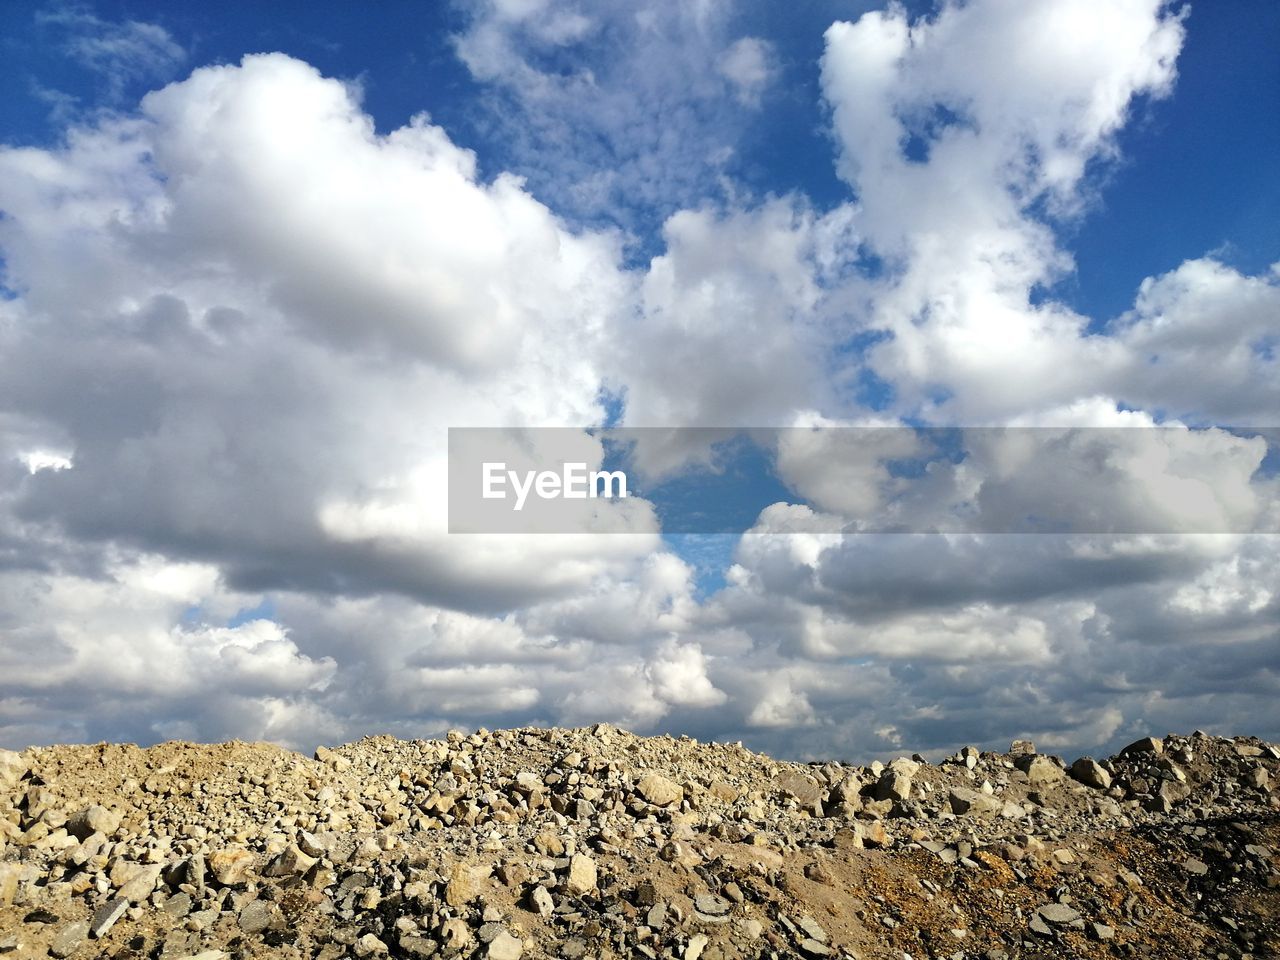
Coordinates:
[595,843]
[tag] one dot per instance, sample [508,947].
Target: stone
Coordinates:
[893,785]
[965,801]
[811,929]
[455,934]
[230,866]
[68,940]
[105,916]
[259,915]
[10,874]
[710,905]
[140,883]
[292,862]
[1088,771]
[505,947]
[12,769]
[805,790]
[659,791]
[1022,748]
[1100,931]
[1058,914]
[581,877]
[462,887]
[1153,745]
[332,759]
[1041,771]
[1197,868]
[1172,793]
[541,902]
[370,946]
[1038,926]
[693,949]
[93,819]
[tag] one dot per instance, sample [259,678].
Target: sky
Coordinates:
[259,258]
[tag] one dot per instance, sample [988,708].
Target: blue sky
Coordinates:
[259,257]
[1208,146]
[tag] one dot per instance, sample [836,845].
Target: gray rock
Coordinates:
[68,940]
[1197,868]
[1059,915]
[258,915]
[711,905]
[105,916]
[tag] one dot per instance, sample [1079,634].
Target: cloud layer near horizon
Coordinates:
[242,321]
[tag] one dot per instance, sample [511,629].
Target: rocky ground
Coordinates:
[597,843]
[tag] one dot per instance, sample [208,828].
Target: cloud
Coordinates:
[747,65]
[122,53]
[954,167]
[615,112]
[242,320]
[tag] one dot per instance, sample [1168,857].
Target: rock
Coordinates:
[10,873]
[893,785]
[331,759]
[259,915]
[12,769]
[1059,915]
[68,940]
[805,790]
[964,801]
[292,862]
[455,935]
[659,791]
[1153,745]
[710,905]
[541,902]
[811,929]
[1172,793]
[461,887]
[1041,771]
[693,949]
[105,916]
[370,946]
[814,948]
[93,819]
[1100,931]
[581,877]
[230,866]
[1197,868]
[1088,771]
[505,947]
[140,883]
[1022,748]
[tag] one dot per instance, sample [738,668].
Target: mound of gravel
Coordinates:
[597,843]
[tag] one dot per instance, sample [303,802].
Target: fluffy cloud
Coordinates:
[242,319]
